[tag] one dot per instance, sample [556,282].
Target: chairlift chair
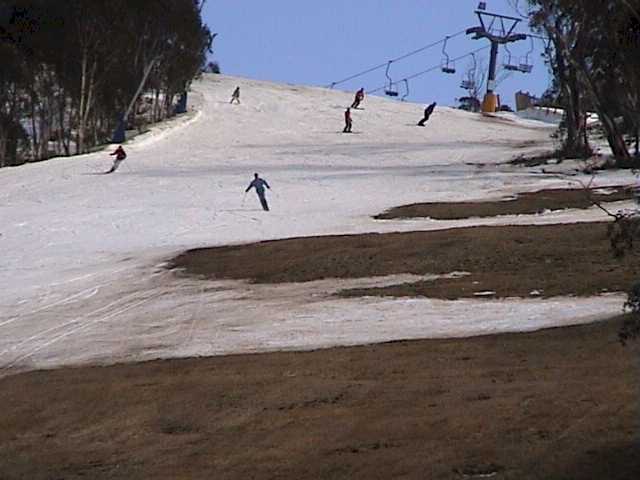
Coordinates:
[508,64]
[390,90]
[446,65]
[406,89]
[525,67]
[469,82]
[525,64]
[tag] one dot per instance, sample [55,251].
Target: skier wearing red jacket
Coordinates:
[359,97]
[120,156]
[348,123]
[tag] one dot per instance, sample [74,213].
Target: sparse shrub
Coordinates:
[621,233]
[631,327]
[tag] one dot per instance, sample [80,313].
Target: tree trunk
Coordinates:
[156,106]
[6,115]
[575,145]
[615,136]
[4,137]
[168,102]
[87,88]
[34,128]
[140,86]
[65,126]
[83,87]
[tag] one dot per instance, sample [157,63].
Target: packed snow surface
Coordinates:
[82,253]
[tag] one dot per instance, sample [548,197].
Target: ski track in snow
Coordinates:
[82,278]
[52,335]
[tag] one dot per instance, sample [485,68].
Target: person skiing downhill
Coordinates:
[120,156]
[359,97]
[236,95]
[348,123]
[427,113]
[259,184]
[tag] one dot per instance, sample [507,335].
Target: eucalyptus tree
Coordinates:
[593,56]
[70,68]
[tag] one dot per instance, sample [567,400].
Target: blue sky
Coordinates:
[320,42]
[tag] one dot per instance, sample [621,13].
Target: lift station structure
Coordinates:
[499,30]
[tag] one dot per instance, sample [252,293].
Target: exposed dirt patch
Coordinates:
[535,160]
[524,204]
[572,259]
[556,404]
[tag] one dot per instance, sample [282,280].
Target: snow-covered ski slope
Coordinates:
[80,276]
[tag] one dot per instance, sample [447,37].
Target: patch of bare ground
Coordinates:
[523,204]
[554,404]
[512,261]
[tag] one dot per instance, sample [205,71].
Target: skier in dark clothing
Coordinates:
[120,156]
[348,123]
[358,99]
[427,113]
[236,95]
[259,184]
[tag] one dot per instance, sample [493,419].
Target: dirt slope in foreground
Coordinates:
[555,404]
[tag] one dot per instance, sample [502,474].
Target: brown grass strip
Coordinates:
[524,204]
[567,259]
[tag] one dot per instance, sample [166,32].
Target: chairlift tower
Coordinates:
[499,30]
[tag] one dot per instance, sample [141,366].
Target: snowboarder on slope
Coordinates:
[259,184]
[427,113]
[236,95]
[348,123]
[120,156]
[359,97]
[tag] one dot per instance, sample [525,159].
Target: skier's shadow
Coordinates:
[338,107]
[328,132]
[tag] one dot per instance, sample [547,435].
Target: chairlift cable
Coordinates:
[540,37]
[428,70]
[401,57]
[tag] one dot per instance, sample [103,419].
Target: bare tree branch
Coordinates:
[634,11]
[587,191]
[515,4]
